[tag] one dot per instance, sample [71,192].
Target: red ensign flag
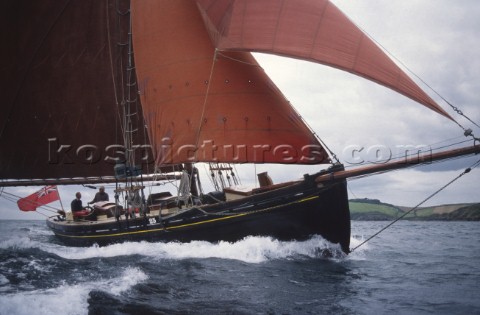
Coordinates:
[45,195]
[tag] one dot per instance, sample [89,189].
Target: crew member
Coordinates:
[101,195]
[76,204]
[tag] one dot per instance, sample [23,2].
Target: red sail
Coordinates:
[203,106]
[42,197]
[62,77]
[312,30]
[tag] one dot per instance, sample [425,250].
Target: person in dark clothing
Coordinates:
[100,196]
[76,204]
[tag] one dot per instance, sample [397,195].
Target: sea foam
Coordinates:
[68,298]
[251,249]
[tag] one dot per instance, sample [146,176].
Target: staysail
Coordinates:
[310,30]
[202,106]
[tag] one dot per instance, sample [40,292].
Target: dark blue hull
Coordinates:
[295,212]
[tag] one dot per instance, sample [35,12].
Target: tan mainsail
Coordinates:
[200,105]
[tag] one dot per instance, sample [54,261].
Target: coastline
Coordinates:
[375,210]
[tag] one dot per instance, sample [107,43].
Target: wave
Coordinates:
[20,242]
[252,249]
[68,298]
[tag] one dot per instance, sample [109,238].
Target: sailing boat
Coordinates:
[119,91]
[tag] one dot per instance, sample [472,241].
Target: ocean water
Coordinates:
[411,268]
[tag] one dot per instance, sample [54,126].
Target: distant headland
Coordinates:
[375,210]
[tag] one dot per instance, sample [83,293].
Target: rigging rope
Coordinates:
[456,109]
[207,93]
[467,170]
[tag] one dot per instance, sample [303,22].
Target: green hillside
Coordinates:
[373,209]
